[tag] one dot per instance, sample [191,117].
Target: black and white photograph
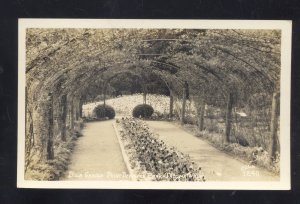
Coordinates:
[154,104]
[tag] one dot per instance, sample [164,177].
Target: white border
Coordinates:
[285,99]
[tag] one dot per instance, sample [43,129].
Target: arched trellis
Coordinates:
[108,79]
[158,72]
[82,64]
[229,88]
[206,78]
[234,76]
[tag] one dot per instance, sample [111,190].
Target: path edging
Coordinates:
[124,155]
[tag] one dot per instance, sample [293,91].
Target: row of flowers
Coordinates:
[152,157]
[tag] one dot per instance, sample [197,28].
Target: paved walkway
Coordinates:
[216,165]
[97,154]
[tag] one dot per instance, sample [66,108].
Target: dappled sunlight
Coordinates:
[220,84]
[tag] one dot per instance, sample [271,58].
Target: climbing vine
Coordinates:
[228,70]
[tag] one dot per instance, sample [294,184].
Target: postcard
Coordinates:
[154,104]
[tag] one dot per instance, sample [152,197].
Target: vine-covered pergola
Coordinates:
[226,68]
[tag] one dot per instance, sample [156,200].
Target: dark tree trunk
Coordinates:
[104,98]
[50,153]
[185,91]
[274,124]
[30,121]
[171,104]
[31,130]
[201,115]
[77,110]
[80,108]
[72,115]
[63,117]
[144,97]
[26,106]
[104,95]
[228,117]
[144,94]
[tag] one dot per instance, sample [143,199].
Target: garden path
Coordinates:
[97,154]
[216,165]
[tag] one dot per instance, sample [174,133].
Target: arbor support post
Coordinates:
[184,97]
[228,117]
[201,112]
[171,104]
[144,94]
[63,117]
[77,110]
[80,107]
[274,124]
[104,94]
[50,152]
[72,115]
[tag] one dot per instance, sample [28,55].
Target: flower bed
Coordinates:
[151,159]
[253,155]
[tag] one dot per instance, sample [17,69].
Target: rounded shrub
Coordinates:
[102,111]
[142,110]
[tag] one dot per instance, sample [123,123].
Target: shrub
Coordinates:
[102,111]
[142,110]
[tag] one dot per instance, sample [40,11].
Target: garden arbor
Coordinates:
[222,68]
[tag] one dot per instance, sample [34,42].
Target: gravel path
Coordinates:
[97,154]
[217,165]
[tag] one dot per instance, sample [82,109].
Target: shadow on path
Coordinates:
[97,154]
